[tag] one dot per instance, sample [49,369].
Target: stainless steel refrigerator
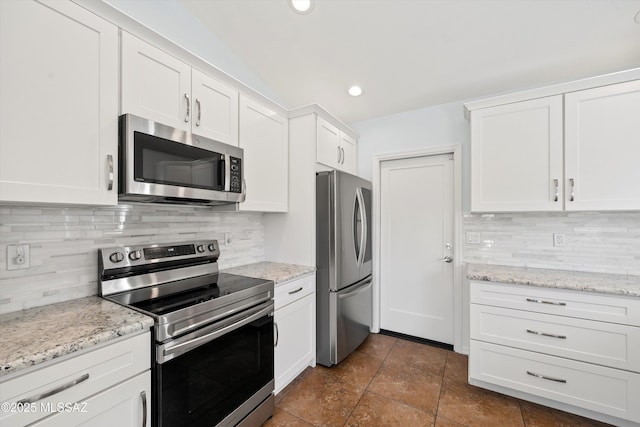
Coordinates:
[343,261]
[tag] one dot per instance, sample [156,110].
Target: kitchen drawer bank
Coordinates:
[568,340]
[294,317]
[77,362]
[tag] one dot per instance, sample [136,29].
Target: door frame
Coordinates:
[458,309]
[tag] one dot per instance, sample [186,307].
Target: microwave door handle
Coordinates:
[226,165]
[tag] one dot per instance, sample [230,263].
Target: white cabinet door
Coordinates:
[328,144]
[155,85]
[264,136]
[215,109]
[348,163]
[58,104]
[602,148]
[295,332]
[126,405]
[516,156]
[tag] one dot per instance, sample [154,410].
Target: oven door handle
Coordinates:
[174,349]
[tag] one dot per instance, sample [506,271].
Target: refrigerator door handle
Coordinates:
[360,246]
[359,290]
[365,227]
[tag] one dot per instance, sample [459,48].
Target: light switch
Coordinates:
[473,237]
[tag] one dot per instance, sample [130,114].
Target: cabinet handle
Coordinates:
[296,291]
[544,334]
[544,377]
[339,153]
[342,149]
[555,185]
[275,344]
[199,111]
[186,117]
[572,184]
[541,301]
[56,390]
[143,395]
[110,169]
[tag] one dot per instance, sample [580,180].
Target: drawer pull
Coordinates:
[541,301]
[544,334]
[558,380]
[296,291]
[143,395]
[54,391]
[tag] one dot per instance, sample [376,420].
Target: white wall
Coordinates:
[171,19]
[442,125]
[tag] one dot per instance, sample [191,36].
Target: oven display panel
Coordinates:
[169,251]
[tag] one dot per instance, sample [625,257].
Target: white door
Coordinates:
[416,283]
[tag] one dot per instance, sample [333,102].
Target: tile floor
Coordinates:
[394,382]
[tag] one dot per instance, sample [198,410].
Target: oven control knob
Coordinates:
[135,255]
[116,257]
[212,247]
[200,248]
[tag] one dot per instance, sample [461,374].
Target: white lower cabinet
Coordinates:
[108,386]
[295,319]
[577,351]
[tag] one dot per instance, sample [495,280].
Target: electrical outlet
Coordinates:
[558,240]
[18,257]
[227,239]
[473,237]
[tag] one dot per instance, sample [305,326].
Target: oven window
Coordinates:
[204,385]
[166,162]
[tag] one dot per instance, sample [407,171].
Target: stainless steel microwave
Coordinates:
[160,164]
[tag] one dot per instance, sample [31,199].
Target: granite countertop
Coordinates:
[612,284]
[33,336]
[278,272]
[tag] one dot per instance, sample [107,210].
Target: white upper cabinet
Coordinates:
[516,156]
[348,146]
[602,148]
[573,151]
[58,104]
[264,136]
[335,148]
[215,109]
[159,87]
[328,144]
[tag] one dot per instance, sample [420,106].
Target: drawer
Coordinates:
[104,367]
[293,290]
[607,344]
[605,390]
[584,305]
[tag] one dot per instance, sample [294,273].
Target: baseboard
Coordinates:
[417,339]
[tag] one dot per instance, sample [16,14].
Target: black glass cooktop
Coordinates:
[222,284]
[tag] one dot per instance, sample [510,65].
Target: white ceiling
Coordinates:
[409,54]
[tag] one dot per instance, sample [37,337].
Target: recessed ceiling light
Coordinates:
[355,91]
[301,6]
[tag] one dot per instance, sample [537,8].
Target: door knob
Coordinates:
[447,259]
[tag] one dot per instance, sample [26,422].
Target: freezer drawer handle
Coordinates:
[56,390]
[296,291]
[357,291]
[544,334]
[558,380]
[541,301]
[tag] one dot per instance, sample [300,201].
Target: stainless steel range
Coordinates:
[213,333]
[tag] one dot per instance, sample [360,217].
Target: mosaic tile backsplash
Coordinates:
[64,242]
[606,242]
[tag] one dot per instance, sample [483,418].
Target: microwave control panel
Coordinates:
[236,175]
